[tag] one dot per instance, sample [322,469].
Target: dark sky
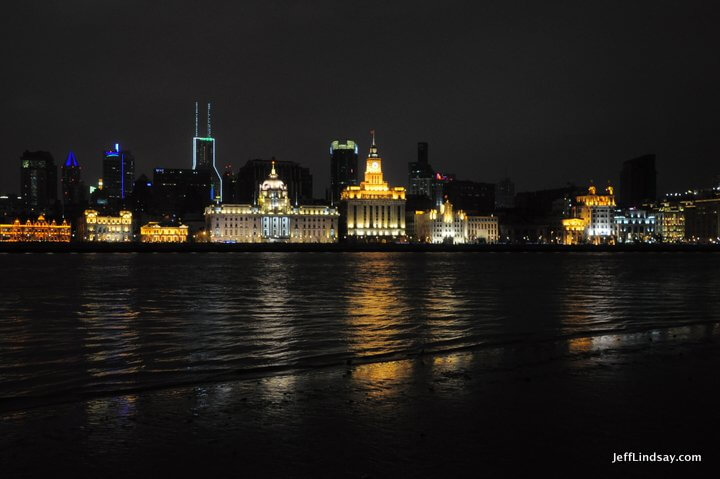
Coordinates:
[547,92]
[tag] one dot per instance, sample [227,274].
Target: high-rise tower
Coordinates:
[204,155]
[73,188]
[118,173]
[343,167]
[38,181]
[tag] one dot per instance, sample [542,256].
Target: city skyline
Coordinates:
[548,98]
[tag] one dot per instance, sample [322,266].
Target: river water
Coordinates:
[105,323]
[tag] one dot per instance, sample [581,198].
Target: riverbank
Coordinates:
[81,247]
[560,406]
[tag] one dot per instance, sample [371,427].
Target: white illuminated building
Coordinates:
[483,229]
[446,225]
[441,225]
[273,219]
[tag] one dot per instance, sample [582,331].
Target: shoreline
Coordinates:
[81,247]
[563,405]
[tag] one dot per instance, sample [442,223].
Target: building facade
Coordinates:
[592,216]
[38,181]
[635,226]
[343,168]
[271,219]
[35,231]
[155,232]
[114,229]
[670,219]
[441,225]
[702,220]
[373,210]
[483,229]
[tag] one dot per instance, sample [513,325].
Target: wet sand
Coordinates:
[562,407]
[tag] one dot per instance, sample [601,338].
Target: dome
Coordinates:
[273,182]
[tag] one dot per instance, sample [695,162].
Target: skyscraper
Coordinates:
[118,173]
[638,181]
[343,167]
[421,176]
[38,181]
[180,192]
[505,194]
[204,155]
[73,188]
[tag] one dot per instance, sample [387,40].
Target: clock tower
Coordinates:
[373,167]
[372,210]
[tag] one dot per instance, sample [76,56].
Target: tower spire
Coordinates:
[209,129]
[196,120]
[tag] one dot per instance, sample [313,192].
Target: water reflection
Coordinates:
[377,316]
[88,323]
[380,380]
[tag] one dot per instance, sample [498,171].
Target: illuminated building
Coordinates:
[483,229]
[343,167]
[373,210]
[634,225]
[204,156]
[671,222]
[441,225]
[37,231]
[94,227]
[574,230]
[118,173]
[271,219]
[595,214]
[155,232]
[38,181]
[638,180]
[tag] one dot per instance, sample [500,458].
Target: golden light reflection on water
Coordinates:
[375,312]
[381,379]
[455,361]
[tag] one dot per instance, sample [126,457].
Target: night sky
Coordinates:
[544,92]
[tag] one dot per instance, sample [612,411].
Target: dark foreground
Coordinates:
[562,407]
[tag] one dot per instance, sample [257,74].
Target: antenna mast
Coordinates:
[209,130]
[196,119]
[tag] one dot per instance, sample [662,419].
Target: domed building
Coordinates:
[272,219]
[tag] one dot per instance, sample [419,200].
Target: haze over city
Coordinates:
[545,93]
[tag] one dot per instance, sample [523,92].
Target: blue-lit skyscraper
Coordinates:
[204,155]
[118,173]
